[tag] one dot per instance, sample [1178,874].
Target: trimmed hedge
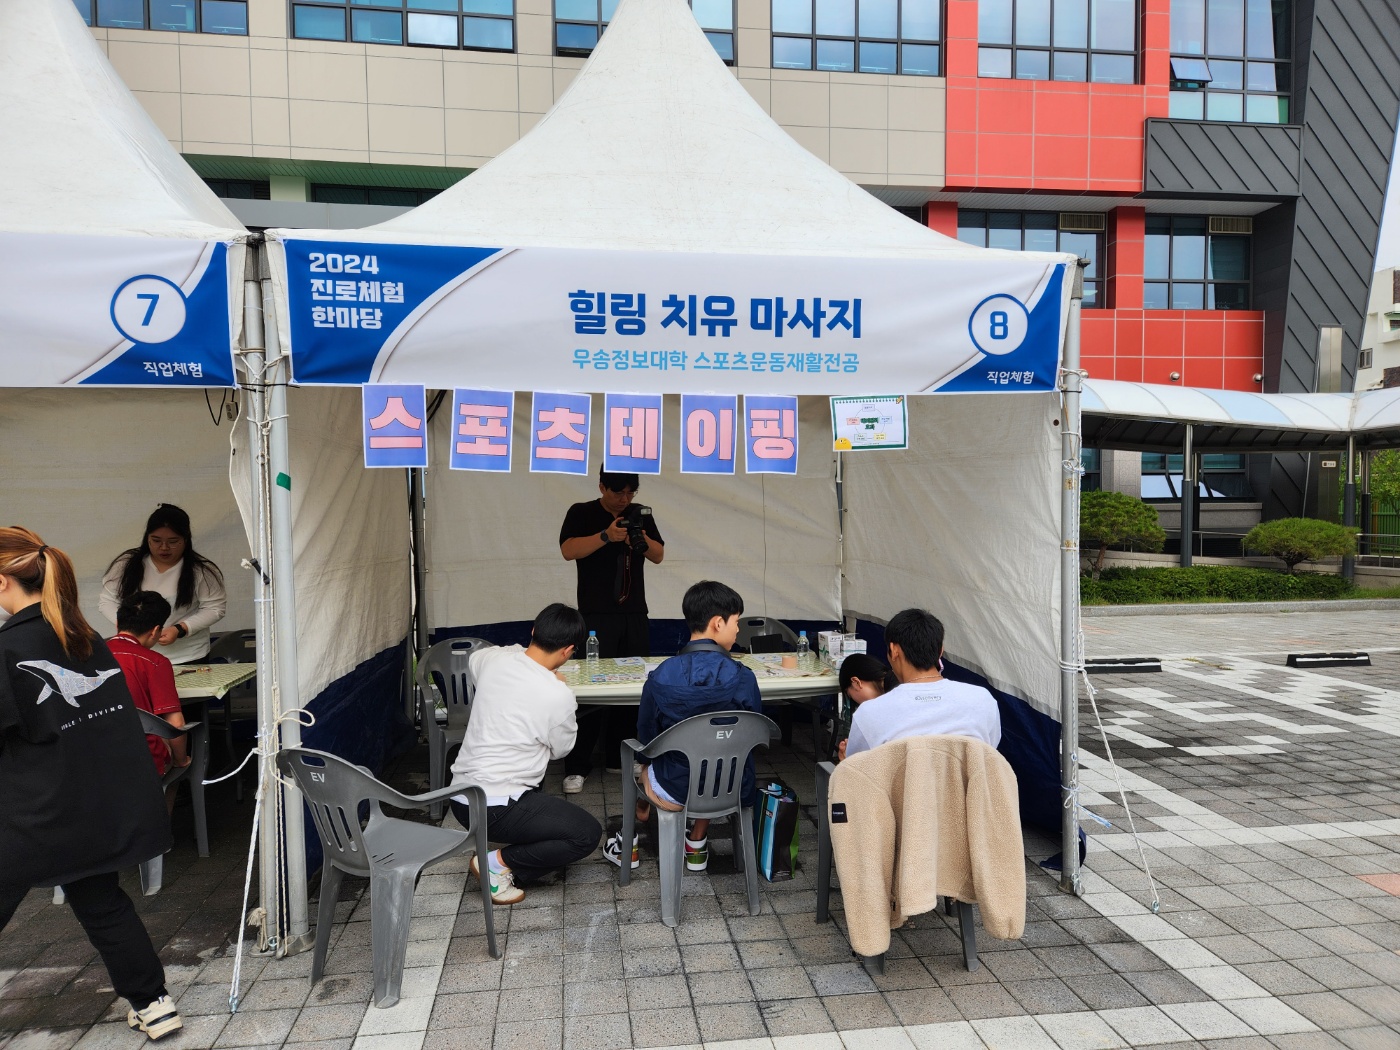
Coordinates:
[1144,586]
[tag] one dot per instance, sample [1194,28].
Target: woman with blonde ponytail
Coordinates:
[81,797]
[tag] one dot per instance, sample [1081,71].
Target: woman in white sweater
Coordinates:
[166,562]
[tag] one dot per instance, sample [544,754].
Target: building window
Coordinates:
[579,23]
[229,17]
[1223,477]
[1364,361]
[240,189]
[1394,325]
[476,25]
[1036,231]
[1230,60]
[393,196]
[1186,267]
[869,36]
[1092,478]
[1073,40]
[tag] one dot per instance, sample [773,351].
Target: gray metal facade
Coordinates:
[1209,158]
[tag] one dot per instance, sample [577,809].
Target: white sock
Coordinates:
[497,865]
[696,843]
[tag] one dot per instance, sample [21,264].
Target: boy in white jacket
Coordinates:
[523,715]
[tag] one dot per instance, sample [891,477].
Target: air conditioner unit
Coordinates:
[1231,224]
[1081,222]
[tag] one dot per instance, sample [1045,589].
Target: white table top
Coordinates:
[210,681]
[619,681]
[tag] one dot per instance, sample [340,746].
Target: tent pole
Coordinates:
[255,396]
[1071,382]
[1188,496]
[1364,547]
[1349,504]
[841,535]
[418,642]
[297,936]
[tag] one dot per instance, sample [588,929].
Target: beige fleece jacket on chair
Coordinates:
[927,817]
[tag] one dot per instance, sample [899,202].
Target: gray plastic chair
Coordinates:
[765,627]
[967,920]
[717,746]
[445,678]
[391,853]
[152,871]
[153,725]
[235,647]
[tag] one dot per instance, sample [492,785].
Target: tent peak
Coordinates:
[657,146]
[83,156]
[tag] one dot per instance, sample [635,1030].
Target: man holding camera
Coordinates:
[610,539]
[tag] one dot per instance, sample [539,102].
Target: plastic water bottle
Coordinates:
[804,649]
[591,650]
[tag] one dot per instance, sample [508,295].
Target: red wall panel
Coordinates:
[1063,136]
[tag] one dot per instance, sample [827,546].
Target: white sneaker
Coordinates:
[573,784]
[503,888]
[157,1020]
[612,850]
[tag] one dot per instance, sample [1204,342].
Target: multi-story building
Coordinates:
[1379,363]
[1221,163]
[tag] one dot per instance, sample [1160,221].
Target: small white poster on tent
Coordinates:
[860,424]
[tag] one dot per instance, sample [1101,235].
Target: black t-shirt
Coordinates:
[80,792]
[611,571]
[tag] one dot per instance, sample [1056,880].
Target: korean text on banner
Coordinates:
[632,433]
[671,322]
[709,427]
[770,435]
[862,423]
[559,432]
[481,429]
[396,425]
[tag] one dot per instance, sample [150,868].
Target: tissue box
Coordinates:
[829,643]
[852,645]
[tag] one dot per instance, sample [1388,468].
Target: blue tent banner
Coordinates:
[668,322]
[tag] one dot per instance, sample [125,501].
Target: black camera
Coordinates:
[635,519]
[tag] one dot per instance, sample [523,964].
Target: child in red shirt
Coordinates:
[149,676]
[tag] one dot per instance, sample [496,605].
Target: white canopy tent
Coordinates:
[657,174]
[120,269]
[92,194]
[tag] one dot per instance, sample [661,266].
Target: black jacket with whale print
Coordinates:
[79,794]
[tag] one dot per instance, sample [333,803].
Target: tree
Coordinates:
[1301,539]
[1385,476]
[1115,519]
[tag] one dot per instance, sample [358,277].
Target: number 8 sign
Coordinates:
[998,325]
[149,309]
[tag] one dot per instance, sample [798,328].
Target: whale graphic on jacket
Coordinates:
[68,684]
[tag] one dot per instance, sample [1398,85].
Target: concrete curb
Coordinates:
[1222,608]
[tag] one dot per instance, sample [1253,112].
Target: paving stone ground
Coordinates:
[1267,802]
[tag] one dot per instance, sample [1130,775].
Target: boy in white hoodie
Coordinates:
[523,715]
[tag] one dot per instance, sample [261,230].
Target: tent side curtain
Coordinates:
[493,539]
[85,469]
[350,536]
[966,524]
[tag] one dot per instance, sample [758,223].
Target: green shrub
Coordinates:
[1123,586]
[1115,519]
[1301,539]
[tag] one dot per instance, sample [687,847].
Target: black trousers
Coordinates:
[619,634]
[114,929]
[543,832]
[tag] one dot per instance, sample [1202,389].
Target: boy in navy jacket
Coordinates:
[702,678]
